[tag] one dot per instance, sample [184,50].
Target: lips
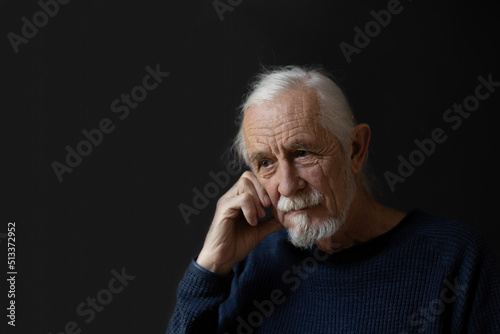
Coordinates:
[301,209]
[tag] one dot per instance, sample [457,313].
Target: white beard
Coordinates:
[304,235]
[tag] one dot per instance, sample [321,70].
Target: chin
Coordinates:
[304,232]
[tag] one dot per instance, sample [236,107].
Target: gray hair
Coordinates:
[335,112]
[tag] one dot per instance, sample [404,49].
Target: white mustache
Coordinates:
[299,202]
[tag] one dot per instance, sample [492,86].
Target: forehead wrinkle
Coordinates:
[292,117]
[301,129]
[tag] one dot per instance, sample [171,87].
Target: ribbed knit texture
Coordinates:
[427,275]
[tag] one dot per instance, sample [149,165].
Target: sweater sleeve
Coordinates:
[199,294]
[477,286]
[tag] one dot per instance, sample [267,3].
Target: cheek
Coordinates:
[327,179]
[272,191]
[315,177]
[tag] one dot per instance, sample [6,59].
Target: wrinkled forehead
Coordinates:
[291,113]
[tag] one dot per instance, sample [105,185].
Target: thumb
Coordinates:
[267,227]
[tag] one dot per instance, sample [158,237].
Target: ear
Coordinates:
[359,146]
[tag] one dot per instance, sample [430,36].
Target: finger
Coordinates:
[261,191]
[246,202]
[247,186]
[267,227]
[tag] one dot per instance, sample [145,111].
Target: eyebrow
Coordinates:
[256,156]
[300,145]
[296,145]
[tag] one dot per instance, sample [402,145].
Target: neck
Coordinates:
[366,219]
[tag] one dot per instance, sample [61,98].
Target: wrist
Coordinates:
[207,263]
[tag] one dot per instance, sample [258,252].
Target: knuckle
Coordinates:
[245,183]
[247,174]
[221,202]
[247,197]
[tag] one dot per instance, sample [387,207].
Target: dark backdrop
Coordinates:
[119,208]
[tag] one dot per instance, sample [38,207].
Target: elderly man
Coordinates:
[331,259]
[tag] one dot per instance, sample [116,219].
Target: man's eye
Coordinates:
[265,163]
[302,153]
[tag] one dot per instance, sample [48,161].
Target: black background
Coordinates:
[119,207]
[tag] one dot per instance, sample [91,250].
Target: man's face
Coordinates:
[292,154]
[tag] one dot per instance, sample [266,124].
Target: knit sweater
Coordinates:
[426,275]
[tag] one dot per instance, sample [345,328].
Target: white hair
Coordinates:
[335,113]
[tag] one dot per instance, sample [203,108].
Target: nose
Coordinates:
[289,180]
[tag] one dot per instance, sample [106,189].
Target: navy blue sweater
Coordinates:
[426,275]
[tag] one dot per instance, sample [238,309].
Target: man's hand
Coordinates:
[235,230]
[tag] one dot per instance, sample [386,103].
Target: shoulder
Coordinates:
[456,242]
[442,230]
